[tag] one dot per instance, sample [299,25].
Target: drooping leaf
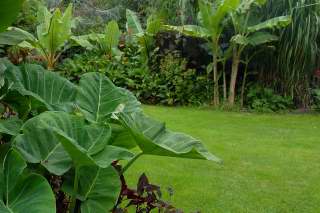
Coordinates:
[133,24]
[41,146]
[52,90]
[190,30]
[14,36]
[153,138]
[24,192]
[98,96]
[86,144]
[99,189]
[9,10]
[261,38]
[82,41]
[273,23]
[11,126]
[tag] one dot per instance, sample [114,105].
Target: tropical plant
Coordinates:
[145,198]
[72,134]
[250,30]
[144,37]
[293,64]
[211,18]
[107,43]
[54,35]
[260,99]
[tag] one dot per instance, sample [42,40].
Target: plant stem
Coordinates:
[75,191]
[131,162]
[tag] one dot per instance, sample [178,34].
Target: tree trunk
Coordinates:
[234,75]
[224,83]
[243,86]
[215,81]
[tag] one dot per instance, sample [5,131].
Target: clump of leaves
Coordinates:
[145,198]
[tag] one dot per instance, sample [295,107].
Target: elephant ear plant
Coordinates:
[55,133]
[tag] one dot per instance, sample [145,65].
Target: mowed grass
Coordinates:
[271,162]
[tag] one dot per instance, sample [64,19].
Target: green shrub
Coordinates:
[262,99]
[179,85]
[165,81]
[316,99]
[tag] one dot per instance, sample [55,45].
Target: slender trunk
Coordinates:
[224,83]
[234,75]
[243,86]
[215,81]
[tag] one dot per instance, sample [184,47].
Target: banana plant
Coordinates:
[144,37]
[106,43]
[212,22]
[53,35]
[250,31]
[76,133]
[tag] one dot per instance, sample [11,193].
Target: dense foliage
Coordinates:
[70,135]
[247,41]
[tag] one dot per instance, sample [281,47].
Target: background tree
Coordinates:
[250,30]
[212,22]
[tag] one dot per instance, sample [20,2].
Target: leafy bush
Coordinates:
[168,81]
[179,85]
[262,99]
[145,198]
[59,141]
[316,99]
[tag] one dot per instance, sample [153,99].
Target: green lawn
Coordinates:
[271,162]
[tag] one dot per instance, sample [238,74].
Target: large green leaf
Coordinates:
[261,38]
[52,90]
[24,192]
[153,138]
[99,189]
[42,146]
[112,36]
[190,30]
[11,126]
[154,24]
[54,37]
[14,36]
[205,13]
[212,19]
[98,96]
[82,41]
[9,10]
[85,144]
[132,104]
[133,24]
[273,23]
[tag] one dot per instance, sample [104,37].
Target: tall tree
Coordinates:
[211,18]
[250,30]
